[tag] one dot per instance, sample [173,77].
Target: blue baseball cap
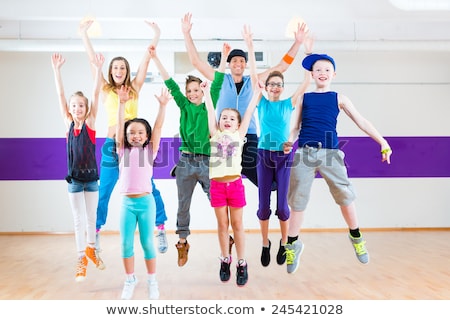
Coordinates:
[309,61]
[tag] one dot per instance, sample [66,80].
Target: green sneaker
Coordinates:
[359,244]
[293,252]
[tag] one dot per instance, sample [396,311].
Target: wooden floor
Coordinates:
[403,265]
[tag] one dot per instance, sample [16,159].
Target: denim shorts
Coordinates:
[80,186]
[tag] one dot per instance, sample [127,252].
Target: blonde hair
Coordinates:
[86,100]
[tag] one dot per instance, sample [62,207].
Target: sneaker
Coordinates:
[359,244]
[241,273]
[231,247]
[92,254]
[293,252]
[81,269]
[265,255]
[183,249]
[128,289]
[172,171]
[162,241]
[281,255]
[153,290]
[224,272]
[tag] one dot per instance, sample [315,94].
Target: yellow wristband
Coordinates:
[288,59]
[385,151]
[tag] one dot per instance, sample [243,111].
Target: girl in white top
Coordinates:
[227,191]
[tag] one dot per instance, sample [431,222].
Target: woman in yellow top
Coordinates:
[119,74]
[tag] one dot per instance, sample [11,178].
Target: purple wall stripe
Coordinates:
[45,158]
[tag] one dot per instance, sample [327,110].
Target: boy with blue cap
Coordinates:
[318,151]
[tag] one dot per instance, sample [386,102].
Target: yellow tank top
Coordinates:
[112,107]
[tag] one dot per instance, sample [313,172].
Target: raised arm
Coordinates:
[257,93]
[90,121]
[83,29]
[226,49]
[202,66]
[248,38]
[163,99]
[141,72]
[162,71]
[124,95]
[295,126]
[57,62]
[366,126]
[288,58]
[212,122]
[309,44]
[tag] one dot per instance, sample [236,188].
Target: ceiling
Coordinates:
[27,25]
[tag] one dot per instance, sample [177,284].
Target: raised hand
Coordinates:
[57,60]
[226,49]
[154,26]
[99,60]
[301,32]
[124,93]
[186,24]
[85,25]
[164,97]
[309,43]
[247,35]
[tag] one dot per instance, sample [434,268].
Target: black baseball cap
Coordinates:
[237,53]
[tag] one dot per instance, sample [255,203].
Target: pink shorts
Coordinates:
[231,194]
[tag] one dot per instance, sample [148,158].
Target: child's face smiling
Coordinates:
[136,134]
[228,121]
[323,72]
[78,108]
[194,93]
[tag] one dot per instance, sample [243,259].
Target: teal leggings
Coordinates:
[139,212]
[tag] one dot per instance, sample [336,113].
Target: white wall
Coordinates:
[402,93]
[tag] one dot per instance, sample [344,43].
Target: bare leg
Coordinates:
[128,263]
[238,231]
[264,224]
[150,264]
[284,231]
[295,223]
[222,229]
[349,214]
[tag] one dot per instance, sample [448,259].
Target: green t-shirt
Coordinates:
[194,129]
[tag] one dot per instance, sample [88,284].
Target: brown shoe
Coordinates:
[183,249]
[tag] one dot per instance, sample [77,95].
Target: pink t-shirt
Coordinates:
[136,170]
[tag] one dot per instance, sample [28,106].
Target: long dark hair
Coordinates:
[148,129]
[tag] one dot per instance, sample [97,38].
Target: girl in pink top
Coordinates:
[137,147]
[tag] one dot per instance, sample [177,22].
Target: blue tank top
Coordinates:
[319,120]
